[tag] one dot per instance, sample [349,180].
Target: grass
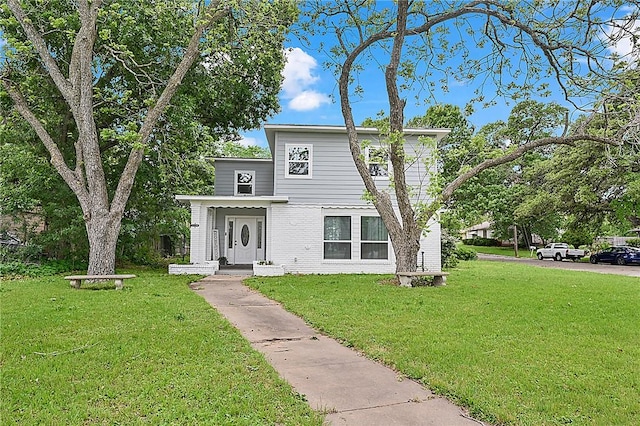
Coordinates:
[516,344]
[153,353]
[502,251]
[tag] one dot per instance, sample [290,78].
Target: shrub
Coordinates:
[479,241]
[634,242]
[576,237]
[26,254]
[465,253]
[448,250]
[50,267]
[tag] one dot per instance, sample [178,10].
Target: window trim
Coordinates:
[236,183]
[287,146]
[349,241]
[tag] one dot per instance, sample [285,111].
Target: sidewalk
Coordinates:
[333,378]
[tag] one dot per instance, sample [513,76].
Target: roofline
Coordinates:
[271,129]
[240,159]
[228,198]
[342,129]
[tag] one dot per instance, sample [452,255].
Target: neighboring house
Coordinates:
[481,230]
[304,209]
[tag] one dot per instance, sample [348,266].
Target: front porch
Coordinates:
[227,232]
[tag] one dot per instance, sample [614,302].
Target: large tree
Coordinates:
[513,48]
[94,78]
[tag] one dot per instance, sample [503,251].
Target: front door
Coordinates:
[242,246]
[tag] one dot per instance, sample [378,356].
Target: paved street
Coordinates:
[601,268]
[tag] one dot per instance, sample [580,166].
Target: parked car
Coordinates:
[617,255]
[560,251]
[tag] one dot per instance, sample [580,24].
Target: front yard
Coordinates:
[153,353]
[516,344]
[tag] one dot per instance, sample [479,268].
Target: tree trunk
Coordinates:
[406,252]
[102,230]
[406,245]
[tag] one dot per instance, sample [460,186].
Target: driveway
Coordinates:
[601,268]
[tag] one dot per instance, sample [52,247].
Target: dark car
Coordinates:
[617,255]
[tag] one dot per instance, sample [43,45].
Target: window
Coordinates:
[298,160]
[230,232]
[337,237]
[244,182]
[374,238]
[259,234]
[378,161]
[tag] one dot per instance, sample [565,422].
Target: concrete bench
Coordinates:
[76,280]
[406,278]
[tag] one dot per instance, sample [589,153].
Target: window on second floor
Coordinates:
[244,182]
[298,160]
[378,161]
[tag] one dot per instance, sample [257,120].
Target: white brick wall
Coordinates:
[430,245]
[296,240]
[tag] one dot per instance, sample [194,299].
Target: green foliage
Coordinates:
[577,237]
[17,269]
[233,86]
[448,244]
[515,344]
[23,253]
[480,241]
[634,242]
[465,253]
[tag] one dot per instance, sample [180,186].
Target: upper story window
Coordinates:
[244,182]
[378,160]
[298,160]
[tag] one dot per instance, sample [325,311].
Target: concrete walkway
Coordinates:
[352,389]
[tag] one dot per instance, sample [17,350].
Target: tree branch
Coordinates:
[64,85]
[125,183]
[448,190]
[57,160]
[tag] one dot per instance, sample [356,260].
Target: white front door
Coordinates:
[242,246]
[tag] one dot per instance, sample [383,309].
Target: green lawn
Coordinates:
[514,343]
[154,353]
[502,251]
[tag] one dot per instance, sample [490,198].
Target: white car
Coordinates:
[559,252]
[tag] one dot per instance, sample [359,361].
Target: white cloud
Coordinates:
[248,141]
[622,38]
[308,100]
[299,79]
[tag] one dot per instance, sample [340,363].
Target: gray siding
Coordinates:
[224,184]
[335,180]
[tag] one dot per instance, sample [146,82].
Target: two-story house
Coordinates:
[305,207]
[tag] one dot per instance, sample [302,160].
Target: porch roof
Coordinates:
[232,201]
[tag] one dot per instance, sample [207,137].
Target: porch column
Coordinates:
[198,233]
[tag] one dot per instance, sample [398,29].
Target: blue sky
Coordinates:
[310,96]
